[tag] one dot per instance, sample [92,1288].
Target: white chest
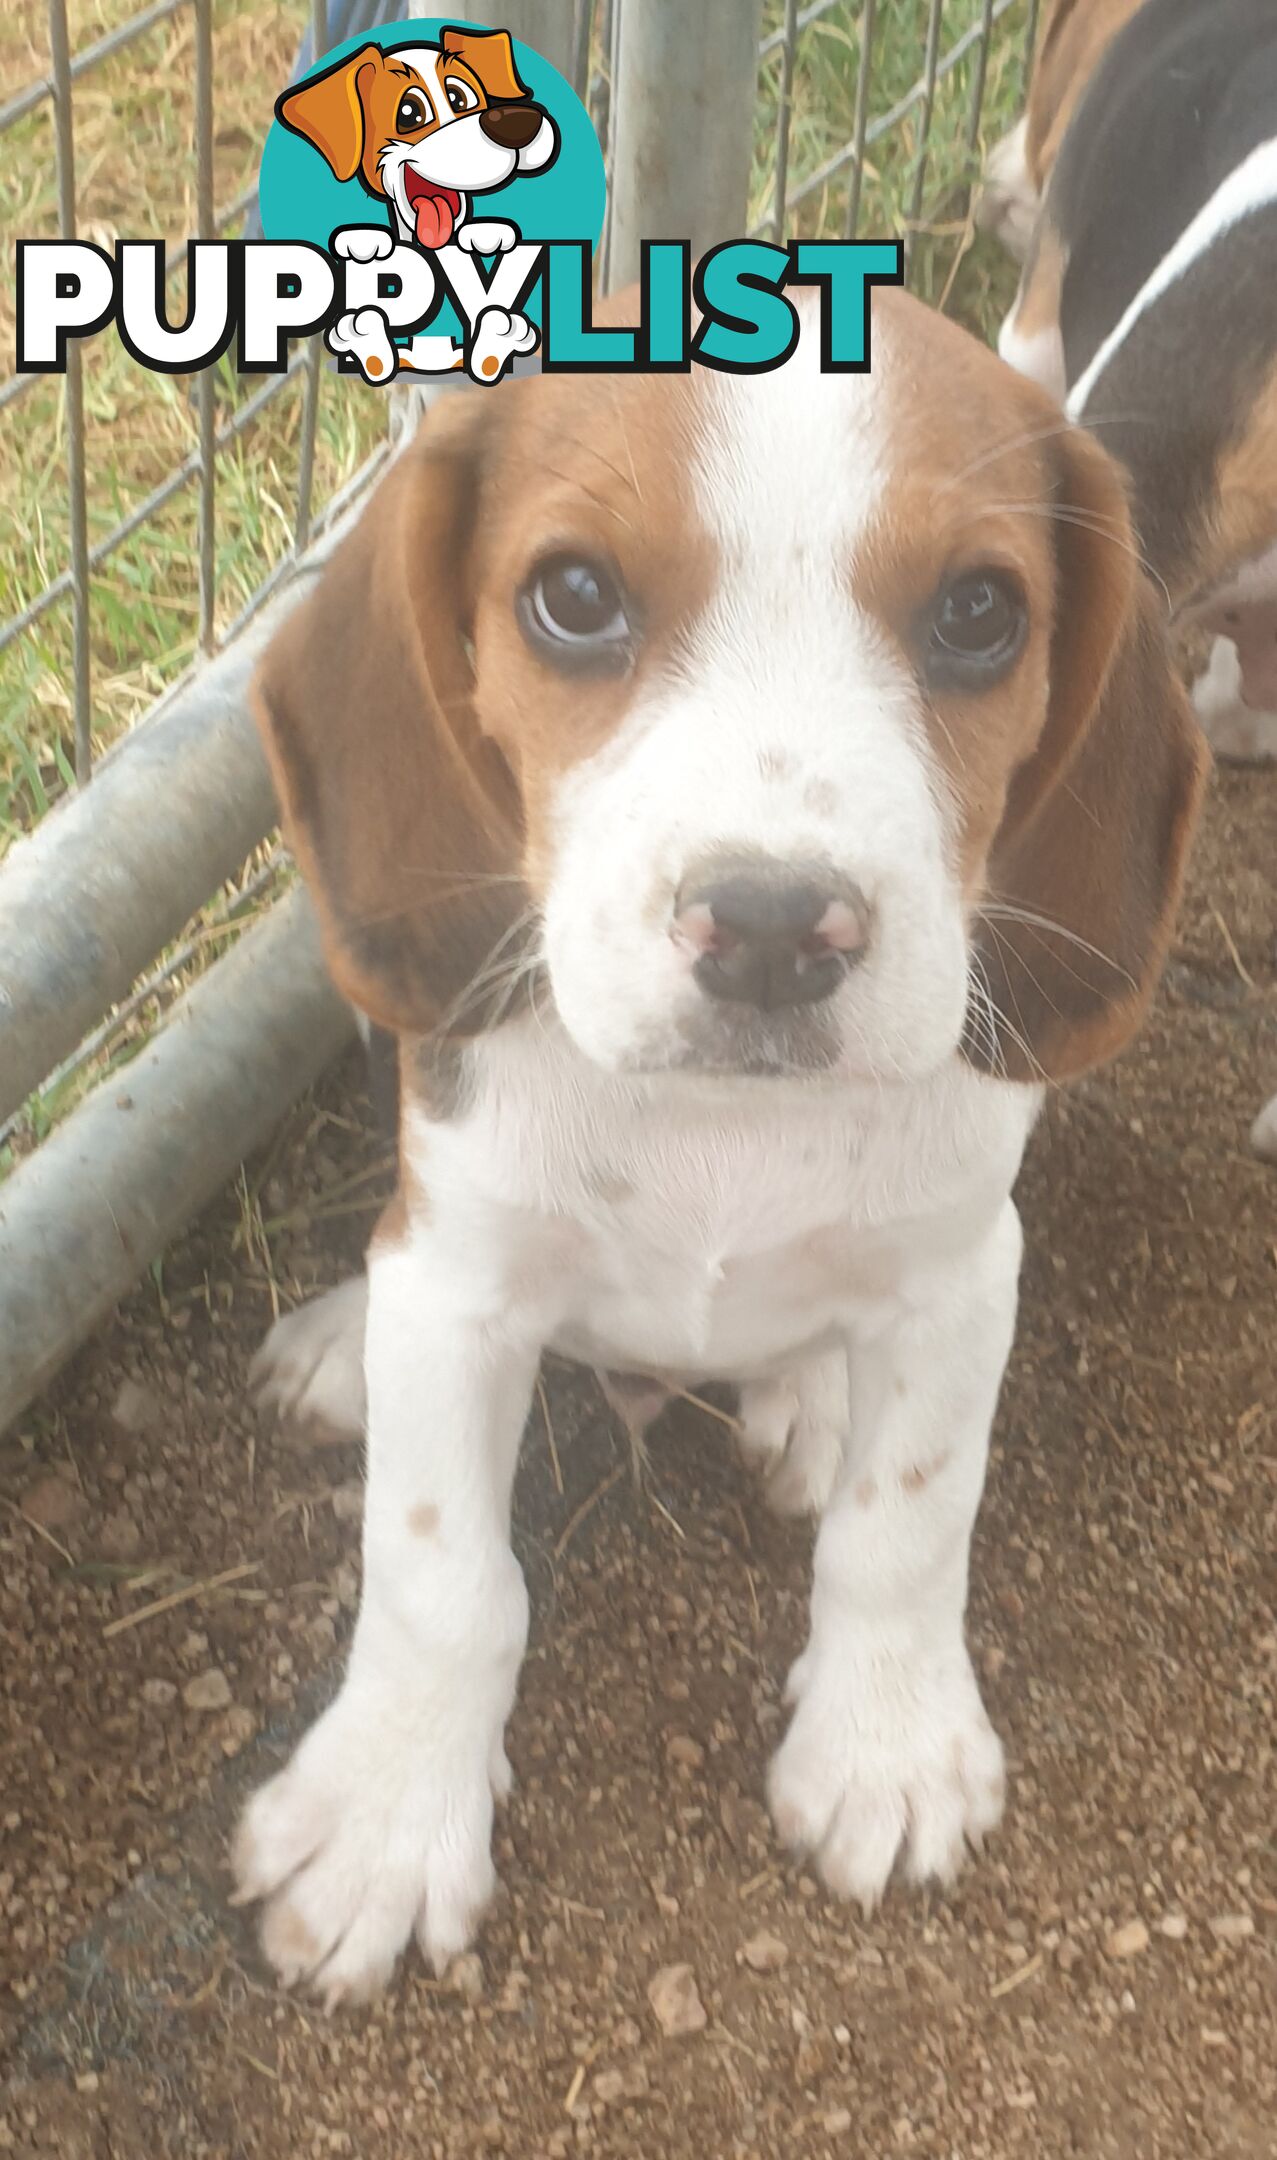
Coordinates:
[707,1227]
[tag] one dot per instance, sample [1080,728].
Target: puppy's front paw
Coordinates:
[309,1371]
[375,1831]
[794,1429]
[882,1759]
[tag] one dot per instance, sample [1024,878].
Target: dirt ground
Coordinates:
[1102,1982]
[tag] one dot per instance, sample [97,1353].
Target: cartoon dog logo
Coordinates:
[425,129]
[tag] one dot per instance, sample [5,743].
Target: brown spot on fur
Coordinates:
[920,1476]
[865,1493]
[821,798]
[423,1519]
[373,364]
[490,364]
[776,764]
[607,1186]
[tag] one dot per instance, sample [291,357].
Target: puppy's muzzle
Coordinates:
[511,127]
[769,936]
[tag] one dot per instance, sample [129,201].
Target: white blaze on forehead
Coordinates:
[793,460]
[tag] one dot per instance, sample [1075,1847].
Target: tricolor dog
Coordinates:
[1149,303]
[426,129]
[740,796]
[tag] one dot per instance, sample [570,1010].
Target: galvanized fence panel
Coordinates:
[768,116]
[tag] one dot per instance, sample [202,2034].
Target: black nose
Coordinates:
[767,937]
[511,126]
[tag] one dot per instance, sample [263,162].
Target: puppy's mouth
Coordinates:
[434,210]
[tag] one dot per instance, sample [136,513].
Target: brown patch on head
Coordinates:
[1074,778]
[1074,37]
[423,1519]
[416,737]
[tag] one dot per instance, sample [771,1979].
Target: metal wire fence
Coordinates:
[833,185]
[157,517]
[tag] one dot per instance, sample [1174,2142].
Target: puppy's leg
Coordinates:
[310,1369]
[381,1824]
[794,1429]
[890,1747]
[1236,732]
[1007,205]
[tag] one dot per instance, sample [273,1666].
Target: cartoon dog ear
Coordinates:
[403,815]
[490,55]
[328,110]
[1086,868]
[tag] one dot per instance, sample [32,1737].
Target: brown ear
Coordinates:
[403,816]
[1085,872]
[328,110]
[490,55]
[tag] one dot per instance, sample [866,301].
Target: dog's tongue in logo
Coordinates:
[435,210]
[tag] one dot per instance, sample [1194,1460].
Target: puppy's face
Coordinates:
[779,688]
[426,126]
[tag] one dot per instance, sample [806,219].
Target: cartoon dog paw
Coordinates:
[364,334]
[486,236]
[363,243]
[498,336]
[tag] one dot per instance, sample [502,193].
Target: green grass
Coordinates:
[134,122]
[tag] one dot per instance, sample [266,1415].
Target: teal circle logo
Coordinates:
[445,135]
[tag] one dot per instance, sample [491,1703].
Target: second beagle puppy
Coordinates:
[740,796]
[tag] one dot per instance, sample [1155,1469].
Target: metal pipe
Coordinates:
[682,125]
[84,1215]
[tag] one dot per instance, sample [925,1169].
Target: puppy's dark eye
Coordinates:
[974,631]
[413,112]
[572,612]
[460,95]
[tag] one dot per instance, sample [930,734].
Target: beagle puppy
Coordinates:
[740,796]
[1073,37]
[1148,303]
[425,129]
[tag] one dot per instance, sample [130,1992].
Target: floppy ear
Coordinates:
[1086,868]
[403,816]
[328,110]
[491,55]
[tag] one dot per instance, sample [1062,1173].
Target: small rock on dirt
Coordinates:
[159,1693]
[135,1409]
[53,1502]
[676,2002]
[837,2122]
[208,1691]
[1128,1940]
[1234,1927]
[684,1752]
[465,1977]
[119,1537]
[765,1953]
[1173,1926]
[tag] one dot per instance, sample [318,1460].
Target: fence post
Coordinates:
[682,125]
